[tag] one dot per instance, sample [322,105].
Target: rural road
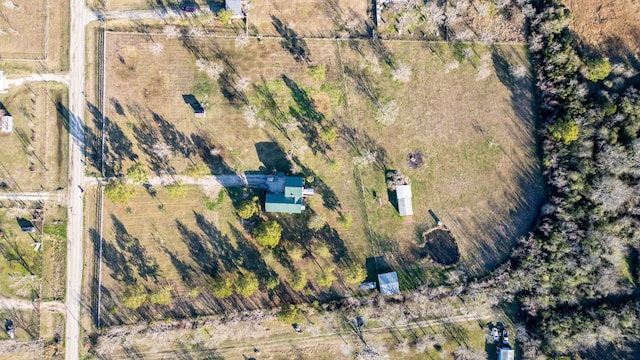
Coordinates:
[14,304]
[76,176]
[31,196]
[276,342]
[61,78]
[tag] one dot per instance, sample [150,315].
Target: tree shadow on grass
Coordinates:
[272,156]
[173,137]
[329,197]
[308,117]
[210,154]
[291,42]
[147,266]
[200,252]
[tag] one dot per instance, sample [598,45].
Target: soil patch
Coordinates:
[441,246]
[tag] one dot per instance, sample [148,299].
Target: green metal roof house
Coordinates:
[288,200]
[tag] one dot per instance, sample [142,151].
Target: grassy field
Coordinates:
[607,26]
[34,30]
[270,106]
[23,29]
[33,157]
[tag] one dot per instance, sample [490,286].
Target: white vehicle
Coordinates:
[505,337]
[495,334]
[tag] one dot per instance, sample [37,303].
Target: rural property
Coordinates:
[313,179]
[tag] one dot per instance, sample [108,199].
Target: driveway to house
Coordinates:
[61,78]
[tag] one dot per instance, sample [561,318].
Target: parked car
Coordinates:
[188,8]
[505,337]
[495,334]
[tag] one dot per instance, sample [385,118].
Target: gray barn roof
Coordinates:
[235,6]
[403,192]
[506,353]
[388,283]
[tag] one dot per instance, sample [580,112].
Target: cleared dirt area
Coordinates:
[609,26]
[34,155]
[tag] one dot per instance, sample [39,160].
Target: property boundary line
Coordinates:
[101,97]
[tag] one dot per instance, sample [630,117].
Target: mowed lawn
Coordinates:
[267,108]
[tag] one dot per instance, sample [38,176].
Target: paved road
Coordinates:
[76,176]
[61,78]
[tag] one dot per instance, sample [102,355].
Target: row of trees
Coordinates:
[583,252]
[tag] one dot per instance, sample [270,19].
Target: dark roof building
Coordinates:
[388,283]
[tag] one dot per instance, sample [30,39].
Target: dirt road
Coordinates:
[76,177]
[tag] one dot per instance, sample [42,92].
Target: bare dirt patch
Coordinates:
[609,26]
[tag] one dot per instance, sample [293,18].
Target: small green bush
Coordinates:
[345,220]
[214,204]
[299,280]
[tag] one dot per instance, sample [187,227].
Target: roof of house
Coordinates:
[403,192]
[290,200]
[282,204]
[388,283]
[235,6]
[506,353]
[6,123]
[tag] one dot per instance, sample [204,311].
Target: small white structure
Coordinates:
[506,353]
[6,123]
[3,83]
[403,192]
[388,283]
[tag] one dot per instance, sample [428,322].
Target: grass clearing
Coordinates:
[265,110]
[34,155]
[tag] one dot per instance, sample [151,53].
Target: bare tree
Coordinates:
[402,72]
[518,71]
[388,113]
[156,48]
[171,31]
[241,41]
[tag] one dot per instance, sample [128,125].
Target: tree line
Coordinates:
[576,274]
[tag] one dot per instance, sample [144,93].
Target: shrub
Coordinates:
[326,277]
[176,190]
[272,282]
[318,72]
[354,274]
[134,297]
[214,204]
[289,314]
[161,296]
[316,222]
[138,173]
[249,208]
[225,16]
[565,130]
[247,284]
[223,288]
[198,170]
[119,191]
[321,250]
[329,134]
[345,220]
[299,280]
[597,69]
[268,234]
[295,252]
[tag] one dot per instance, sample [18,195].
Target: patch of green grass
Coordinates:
[202,85]
[214,204]
[57,230]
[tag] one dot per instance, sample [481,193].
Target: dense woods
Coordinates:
[576,275]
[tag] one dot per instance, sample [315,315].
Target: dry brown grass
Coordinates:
[23,29]
[39,138]
[309,17]
[610,26]
[33,31]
